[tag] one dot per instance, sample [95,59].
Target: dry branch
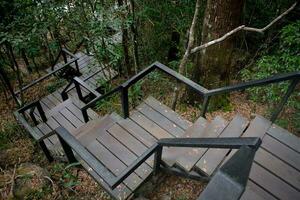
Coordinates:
[187,53]
[245,28]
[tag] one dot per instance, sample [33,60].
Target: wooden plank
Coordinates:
[89,131]
[168,113]
[150,126]
[191,157]
[278,167]
[160,120]
[138,132]
[213,157]
[45,129]
[127,139]
[254,191]
[112,163]
[133,144]
[53,99]
[121,192]
[170,154]
[48,102]
[122,153]
[258,127]
[281,151]
[59,118]
[71,117]
[40,133]
[272,183]
[285,137]
[75,111]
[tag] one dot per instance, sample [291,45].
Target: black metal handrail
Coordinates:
[67,63]
[78,83]
[69,143]
[203,92]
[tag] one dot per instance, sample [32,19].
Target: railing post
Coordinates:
[124,100]
[157,159]
[77,66]
[41,111]
[78,90]
[284,99]
[64,96]
[31,114]
[67,149]
[64,56]
[46,151]
[205,106]
[85,115]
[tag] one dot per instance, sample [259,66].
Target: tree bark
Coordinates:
[125,39]
[214,64]
[134,36]
[23,53]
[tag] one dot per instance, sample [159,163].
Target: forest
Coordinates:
[212,43]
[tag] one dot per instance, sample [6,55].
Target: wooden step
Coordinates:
[275,171]
[158,120]
[170,154]
[168,113]
[192,155]
[285,137]
[213,157]
[65,114]
[115,148]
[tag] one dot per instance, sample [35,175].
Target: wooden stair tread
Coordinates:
[253,191]
[275,170]
[170,154]
[150,126]
[168,113]
[285,137]
[160,120]
[192,155]
[213,157]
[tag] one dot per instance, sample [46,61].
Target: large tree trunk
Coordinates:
[213,66]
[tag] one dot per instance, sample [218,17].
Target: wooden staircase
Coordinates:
[116,143]
[121,153]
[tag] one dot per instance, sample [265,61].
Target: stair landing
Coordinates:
[116,142]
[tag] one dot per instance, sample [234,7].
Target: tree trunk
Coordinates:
[134,36]
[213,66]
[23,53]
[18,72]
[125,39]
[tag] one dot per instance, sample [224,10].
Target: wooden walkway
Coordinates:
[67,113]
[118,142]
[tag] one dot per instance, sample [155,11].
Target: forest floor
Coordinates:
[71,182]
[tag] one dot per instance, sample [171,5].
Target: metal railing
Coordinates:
[70,143]
[64,52]
[78,83]
[200,90]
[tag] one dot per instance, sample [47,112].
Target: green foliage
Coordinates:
[282,59]
[53,86]
[66,176]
